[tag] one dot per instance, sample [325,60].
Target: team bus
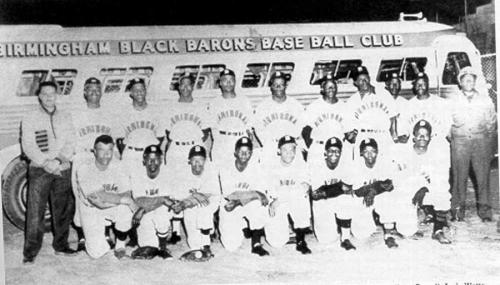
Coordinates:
[159,54]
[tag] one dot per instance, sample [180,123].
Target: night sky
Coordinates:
[183,12]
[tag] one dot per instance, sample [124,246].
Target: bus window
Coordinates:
[144,72]
[64,79]
[454,62]
[256,75]
[342,70]
[30,80]
[406,68]
[206,77]
[113,79]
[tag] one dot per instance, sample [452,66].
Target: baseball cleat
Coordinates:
[302,247]
[120,253]
[145,252]
[391,242]
[417,235]
[81,245]
[165,254]
[258,249]
[28,260]
[206,249]
[347,245]
[175,238]
[440,237]
[67,252]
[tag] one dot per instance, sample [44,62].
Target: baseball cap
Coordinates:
[394,75]
[328,77]
[197,150]
[286,140]
[422,124]
[244,141]
[152,149]
[333,141]
[227,71]
[46,83]
[186,75]
[368,142]
[467,70]
[421,75]
[92,80]
[135,81]
[359,71]
[279,74]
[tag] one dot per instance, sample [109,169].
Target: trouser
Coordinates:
[79,159]
[156,221]
[396,207]
[297,206]
[197,219]
[94,222]
[464,151]
[232,223]
[44,187]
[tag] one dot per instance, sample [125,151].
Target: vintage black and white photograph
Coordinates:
[249,142]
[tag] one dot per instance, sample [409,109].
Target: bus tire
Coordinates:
[14,190]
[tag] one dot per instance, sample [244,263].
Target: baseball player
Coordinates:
[232,118]
[89,123]
[425,170]
[105,195]
[393,86]
[288,193]
[149,190]
[242,187]
[139,126]
[277,116]
[429,107]
[325,118]
[197,193]
[372,112]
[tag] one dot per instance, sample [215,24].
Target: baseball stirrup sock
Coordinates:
[256,236]
[439,220]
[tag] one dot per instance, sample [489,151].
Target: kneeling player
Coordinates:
[289,193]
[196,191]
[105,196]
[153,217]
[242,187]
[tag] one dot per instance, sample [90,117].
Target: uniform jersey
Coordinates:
[250,179]
[112,179]
[231,115]
[361,175]
[143,186]
[275,120]
[286,180]
[373,112]
[139,128]
[328,120]
[322,175]
[186,121]
[90,124]
[434,109]
[182,183]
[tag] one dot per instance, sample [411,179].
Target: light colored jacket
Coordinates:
[473,117]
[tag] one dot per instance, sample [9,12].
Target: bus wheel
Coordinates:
[14,190]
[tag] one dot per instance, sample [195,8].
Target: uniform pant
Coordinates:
[156,221]
[297,206]
[94,221]
[396,206]
[79,159]
[231,223]
[478,151]
[42,186]
[197,219]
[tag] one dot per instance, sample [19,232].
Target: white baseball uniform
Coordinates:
[89,180]
[286,183]
[198,218]
[89,124]
[231,223]
[185,122]
[158,220]
[230,118]
[274,120]
[327,120]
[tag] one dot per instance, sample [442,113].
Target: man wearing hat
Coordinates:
[48,140]
[372,112]
[232,118]
[197,193]
[329,181]
[425,175]
[472,133]
[149,190]
[277,116]
[243,187]
[393,86]
[288,190]
[326,117]
[90,123]
[139,125]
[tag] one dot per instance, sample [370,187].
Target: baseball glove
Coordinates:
[369,197]
[327,191]
[383,186]
[196,256]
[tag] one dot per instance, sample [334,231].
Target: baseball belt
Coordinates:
[184,143]
[135,148]
[373,131]
[227,133]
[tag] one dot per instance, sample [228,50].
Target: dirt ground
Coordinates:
[473,258]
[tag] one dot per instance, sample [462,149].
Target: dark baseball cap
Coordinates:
[359,71]
[279,74]
[46,83]
[421,75]
[422,124]
[227,71]
[328,77]
[186,75]
[135,81]
[243,141]
[286,140]
[92,80]
[368,142]
[333,141]
[197,150]
[152,149]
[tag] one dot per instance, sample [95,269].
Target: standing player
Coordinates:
[89,123]
[393,85]
[105,195]
[197,191]
[149,189]
[242,187]
[277,116]
[232,118]
[289,186]
[325,118]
